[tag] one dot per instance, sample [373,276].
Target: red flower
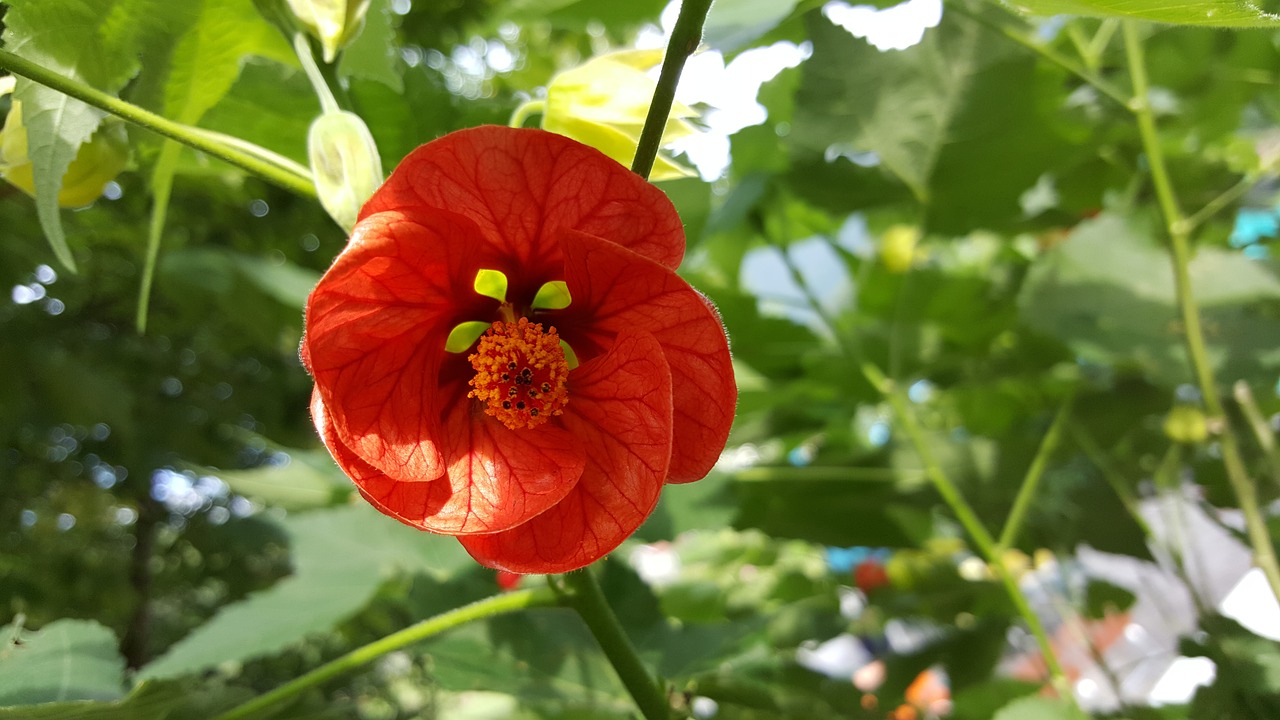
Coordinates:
[545,443]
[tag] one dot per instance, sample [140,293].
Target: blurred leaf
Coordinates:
[64,660]
[148,701]
[1211,13]
[1036,708]
[1247,682]
[1108,293]
[341,556]
[306,481]
[835,512]
[286,282]
[374,54]
[733,24]
[898,105]
[1102,599]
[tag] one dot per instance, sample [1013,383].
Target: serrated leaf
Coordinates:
[92,42]
[340,556]
[373,55]
[897,105]
[1209,13]
[65,660]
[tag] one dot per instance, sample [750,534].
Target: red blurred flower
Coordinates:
[870,575]
[538,459]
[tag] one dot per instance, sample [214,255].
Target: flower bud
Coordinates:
[898,247]
[96,163]
[1186,424]
[335,23]
[344,164]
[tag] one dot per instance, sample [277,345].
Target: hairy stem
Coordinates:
[489,607]
[685,37]
[588,600]
[302,185]
[1180,252]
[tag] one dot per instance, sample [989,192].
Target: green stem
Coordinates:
[1119,485]
[973,526]
[161,188]
[1089,77]
[588,600]
[1262,431]
[1180,250]
[527,110]
[160,125]
[685,37]
[328,103]
[1031,481]
[489,607]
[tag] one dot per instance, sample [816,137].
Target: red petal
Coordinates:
[620,407]
[498,478]
[615,289]
[375,330]
[523,187]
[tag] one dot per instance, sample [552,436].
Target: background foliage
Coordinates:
[974,216]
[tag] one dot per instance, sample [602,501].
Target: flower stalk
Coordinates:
[1178,230]
[588,600]
[191,137]
[685,37]
[479,610]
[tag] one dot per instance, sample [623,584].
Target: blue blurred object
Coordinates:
[1253,224]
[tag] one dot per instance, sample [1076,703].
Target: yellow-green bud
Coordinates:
[1186,424]
[344,164]
[898,247]
[335,23]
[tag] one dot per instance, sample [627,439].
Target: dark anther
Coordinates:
[533,394]
[546,387]
[506,377]
[511,392]
[506,404]
[511,366]
[519,405]
[526,373]
[534,412]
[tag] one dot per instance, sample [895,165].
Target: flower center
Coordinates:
[520,373]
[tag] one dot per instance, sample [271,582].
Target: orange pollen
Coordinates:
[520,373]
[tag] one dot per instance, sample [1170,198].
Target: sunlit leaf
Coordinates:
[1210,13]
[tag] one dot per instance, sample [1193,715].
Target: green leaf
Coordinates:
[340,556]
[149,701]
[307,481]
[897,105]
[1036,708]
[288,283]
[1209,13]
[1103,598]
[207,59]
[1107,291]
[95,42]
[65,660]
[839,511]
[734,24]
[373,55]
